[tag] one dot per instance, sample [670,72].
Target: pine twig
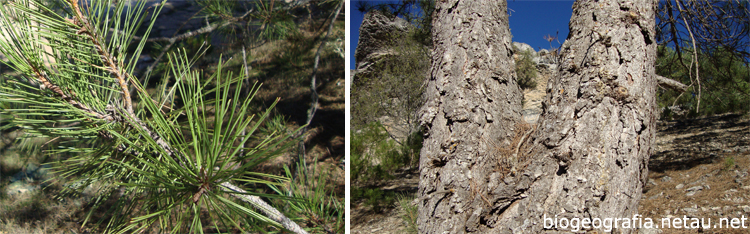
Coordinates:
[46,83]
[268,210]
[136,122]
[108,60]
[121,76]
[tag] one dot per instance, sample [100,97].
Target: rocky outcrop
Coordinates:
[377,35]
[546,69]
[523,47]
[383,44]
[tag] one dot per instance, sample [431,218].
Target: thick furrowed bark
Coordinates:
[587,157]
[591,149]
[472,106]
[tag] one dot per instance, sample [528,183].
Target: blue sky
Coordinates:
[530,21]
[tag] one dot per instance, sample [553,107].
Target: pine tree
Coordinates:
[166,165]
[483,170]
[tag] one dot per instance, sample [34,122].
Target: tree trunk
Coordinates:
[472,106]
[482,170]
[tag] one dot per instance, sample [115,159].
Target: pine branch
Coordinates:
[85,28]
[42,77]
[263,207]
[122,77]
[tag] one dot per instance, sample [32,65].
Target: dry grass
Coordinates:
[38,212]
[511,156]
[697,153]
[663,199]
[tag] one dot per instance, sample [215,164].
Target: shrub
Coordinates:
[525,69]
[376,156]
[409,214]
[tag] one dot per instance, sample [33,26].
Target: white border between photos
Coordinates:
[347,115]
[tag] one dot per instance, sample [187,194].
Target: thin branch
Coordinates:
[695,56]
[247,92]
[393,137]
[672,84]
[42,76]
[203,30]
[268,210]
[144,78]
[675,37]
[208,29]
[122,78]
[151,67]
[313,87]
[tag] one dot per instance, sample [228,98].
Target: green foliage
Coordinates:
[422,19]
[410,213]
[311,199]
[725,83]
[276,23]
[206,156]
[378,200]
[217,8]
[273,18]
[728,163]
[525,69]
[374,139]
[396,91]
[168,162]
[375,156]
[298,46]
[374,198]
